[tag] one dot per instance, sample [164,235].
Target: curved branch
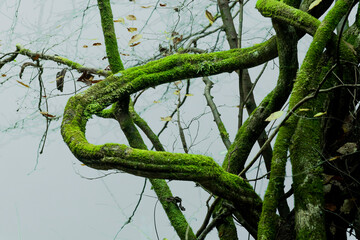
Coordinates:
[151,164]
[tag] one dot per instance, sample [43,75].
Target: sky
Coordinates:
[51,195]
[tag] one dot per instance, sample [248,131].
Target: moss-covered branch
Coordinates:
[177,219]
[287,48]
[107,24]
[61,60]
[150,164]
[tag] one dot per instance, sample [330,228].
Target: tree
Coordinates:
[319,132]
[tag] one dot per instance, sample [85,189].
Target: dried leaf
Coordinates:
[135,38]
[347,148]
[85,46]
[60,80]
[96,44]
[86,78]
[134,44]
[177,82]
[131,17]
[177,92]
[330,206]
[166,119]
[132,29]
[46,114]
[125,54]
[314,4]
[319,114]
[145,6]
[120,20]
[25,85]
[162,4]
[36,57]
[209,16]
[3,75]
[274,115]
[96,81]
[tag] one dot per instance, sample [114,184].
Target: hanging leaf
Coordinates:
[304,109]
[209,16]
[96,81]
[334,158]
[131,17]
[135,38]
[96,44]
[86,78]
[166,119]
[274,115]
[25,85]
[60,80]
[132,29]
[120,20]
[46,114]
[319,114]
[347,148]
[314,4]
[134,44]
[36,57]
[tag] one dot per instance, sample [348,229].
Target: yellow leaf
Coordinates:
[120,20]
[177,92]
[189,94]
[85,46]
[135,38]
[145,6]
[334,158]
[319,114]
[166,119]
[304,109]
[132,29]
[156,101]
[131,17]
[274,115]
[25,85]
[314,4]
[209,16]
